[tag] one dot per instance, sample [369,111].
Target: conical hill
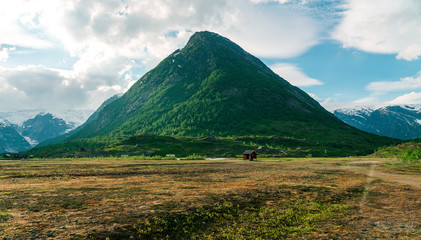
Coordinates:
[212,87]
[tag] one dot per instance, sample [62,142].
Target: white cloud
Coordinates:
[407,83]
[271,31]
[4,53]
[382,26]
[372,101]
[38,87]
[410,98]
[329,103]
[18,24]
[110,39]
[34,87]
[268,1]
[380,94]
[332,103]
[139,28]
[315,97]
[129,25]
[412,52]
[294,75]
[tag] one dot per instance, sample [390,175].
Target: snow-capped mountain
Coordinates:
[4,123]
[10,139]
[400,121]
[21,130]
[75,117]
[43,127]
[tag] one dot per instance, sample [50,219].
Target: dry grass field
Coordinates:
[347,198]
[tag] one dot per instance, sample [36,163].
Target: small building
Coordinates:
[250,155]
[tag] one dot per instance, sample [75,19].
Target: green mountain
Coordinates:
[408,151]
[94,116]
[212,87]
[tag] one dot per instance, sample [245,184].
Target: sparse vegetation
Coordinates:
[408,154]
[245,220]
[101,198]
[4,216]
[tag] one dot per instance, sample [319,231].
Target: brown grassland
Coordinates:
[335,198]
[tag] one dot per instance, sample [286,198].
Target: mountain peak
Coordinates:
[44,114]
[212,42]
[206,36]
[191,92]
[212,87]
[4,123]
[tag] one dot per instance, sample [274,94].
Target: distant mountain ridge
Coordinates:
[44,126]
[212,87]
[10,139]
[91,118]
[27,128]
[399,121]
[75,117]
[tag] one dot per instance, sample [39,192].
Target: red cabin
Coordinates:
[250,155]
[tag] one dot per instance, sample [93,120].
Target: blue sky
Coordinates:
[346,74]
[74,54]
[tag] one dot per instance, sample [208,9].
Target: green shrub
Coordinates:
[225,220]
[4,216]
[410,156]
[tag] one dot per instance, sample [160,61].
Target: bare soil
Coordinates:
[96,199]
[374,169]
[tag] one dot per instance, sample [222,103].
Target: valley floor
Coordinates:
[311,198]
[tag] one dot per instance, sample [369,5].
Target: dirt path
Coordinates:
[373,171]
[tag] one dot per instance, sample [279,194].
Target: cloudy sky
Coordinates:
[74,54]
